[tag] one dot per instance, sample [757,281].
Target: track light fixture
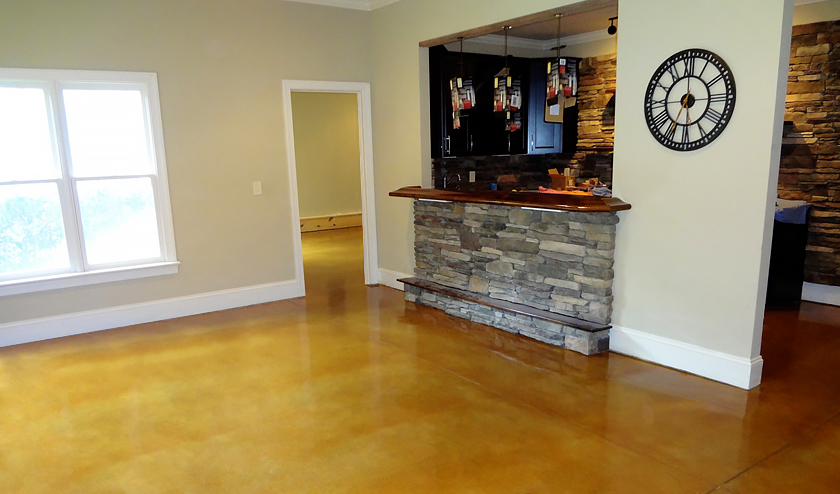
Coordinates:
[612,29]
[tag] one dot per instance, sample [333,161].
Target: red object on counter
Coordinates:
[543,190]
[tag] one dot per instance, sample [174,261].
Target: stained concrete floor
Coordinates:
[353,390]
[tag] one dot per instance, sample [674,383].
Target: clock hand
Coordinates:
[683,107]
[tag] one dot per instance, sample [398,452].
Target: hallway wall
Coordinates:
[327,153]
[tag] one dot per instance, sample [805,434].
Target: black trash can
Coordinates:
[787,253]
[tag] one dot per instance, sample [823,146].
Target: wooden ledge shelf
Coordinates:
[534,200]
[526,310]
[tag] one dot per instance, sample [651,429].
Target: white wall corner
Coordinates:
[736,371]
[822,294]
[16,333]
[389,278]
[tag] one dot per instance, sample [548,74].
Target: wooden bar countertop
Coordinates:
[558,202]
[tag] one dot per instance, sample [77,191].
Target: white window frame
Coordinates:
[81,272]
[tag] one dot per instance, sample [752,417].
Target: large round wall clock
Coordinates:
[689,99]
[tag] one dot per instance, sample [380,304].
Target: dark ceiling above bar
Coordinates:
[497,27]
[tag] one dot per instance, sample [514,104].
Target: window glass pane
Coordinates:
[107,132]
[31,229]
[118,220]
[26,150]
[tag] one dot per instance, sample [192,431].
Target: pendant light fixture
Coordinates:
[505,71]
[461,89]
[507,95]
[465,85]
[561,80]
[558,46]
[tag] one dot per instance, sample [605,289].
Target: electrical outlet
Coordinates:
[257,188]
[472,176]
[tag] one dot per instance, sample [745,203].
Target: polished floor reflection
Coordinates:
[353,390]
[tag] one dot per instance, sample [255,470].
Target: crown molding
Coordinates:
[375,4]
[366,5]
[546,45]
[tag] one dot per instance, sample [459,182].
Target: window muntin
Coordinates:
[87,145]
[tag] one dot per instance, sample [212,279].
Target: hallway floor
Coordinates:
[351,389]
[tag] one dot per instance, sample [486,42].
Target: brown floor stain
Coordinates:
[353,390]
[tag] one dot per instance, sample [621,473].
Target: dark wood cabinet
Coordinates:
[543,137]
[482,131]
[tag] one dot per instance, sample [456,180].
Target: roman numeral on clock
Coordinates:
[672,69]
[713,116]
[704,69]
[689,66]
[718,98]
[672,130]
[661,118]
[715,80]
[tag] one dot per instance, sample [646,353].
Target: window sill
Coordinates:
[68,280]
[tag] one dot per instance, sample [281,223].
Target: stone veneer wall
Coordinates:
[555,261]
[596,107]
[810,165]
[596,128]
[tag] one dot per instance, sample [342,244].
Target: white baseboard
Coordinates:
[330,222]
[389,278]
[18,332]
[741,372]
[823,294]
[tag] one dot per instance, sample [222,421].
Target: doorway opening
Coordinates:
[328,133]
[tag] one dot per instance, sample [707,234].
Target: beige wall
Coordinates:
[691,256]
[220,65]
[327,153]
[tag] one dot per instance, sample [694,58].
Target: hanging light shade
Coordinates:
[561,80]
[507,95]
[462,92]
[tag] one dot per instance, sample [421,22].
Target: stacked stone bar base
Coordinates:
[578,340]
[554,267]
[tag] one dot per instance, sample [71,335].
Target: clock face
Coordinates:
[689,99]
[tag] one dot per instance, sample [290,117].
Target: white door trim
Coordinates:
[362,92]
